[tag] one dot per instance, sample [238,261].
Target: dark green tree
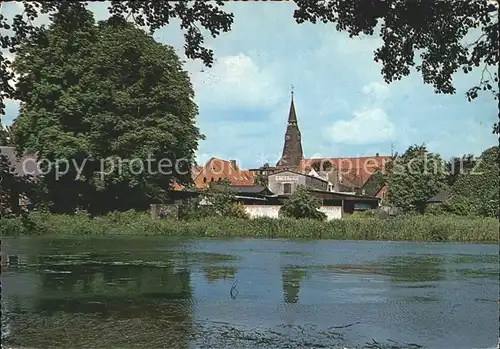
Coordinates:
[459,165]
[434,30]
[194,16]
[413,178]
[476,191]
[327,166]
[112,106]
[430,36]
[376,181]
[301,204]
[260,179]
[316,165]
[222,199]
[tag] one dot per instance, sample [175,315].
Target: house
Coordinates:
[285,182]
[26,165]
[216,170]
[382,193]
[439,198]
[352,171]
[334,204]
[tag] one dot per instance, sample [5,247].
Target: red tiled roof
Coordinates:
[355,171]
[218,169]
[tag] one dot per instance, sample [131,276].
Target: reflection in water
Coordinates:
[291,277]
[172,293]
[133,305]
[425,268]
[216,273]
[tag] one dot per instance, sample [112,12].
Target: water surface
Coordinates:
[157,292]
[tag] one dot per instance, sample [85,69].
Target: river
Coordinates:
[157,292]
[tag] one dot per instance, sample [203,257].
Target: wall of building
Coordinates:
[332,212]
[316,183]
[263,210]
[276,181]
[272,211]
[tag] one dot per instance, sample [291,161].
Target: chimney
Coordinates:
[376,154]
[233,165]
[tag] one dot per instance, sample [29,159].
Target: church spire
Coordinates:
[292,149]
[292,117]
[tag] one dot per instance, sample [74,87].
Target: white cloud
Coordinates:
[367,126]
[236,82]
[379,92]
[370,123]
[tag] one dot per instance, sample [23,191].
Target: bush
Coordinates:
[221,204]
[401,228]
[237,210]
[301,204]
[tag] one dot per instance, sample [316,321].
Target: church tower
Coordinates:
[292,150]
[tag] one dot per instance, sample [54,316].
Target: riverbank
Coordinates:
[410,228]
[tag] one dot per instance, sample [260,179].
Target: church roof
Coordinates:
[292,116]
[292,148]
[356,170]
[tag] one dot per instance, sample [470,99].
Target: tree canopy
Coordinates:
[413,178]
[194,17]
[479,186]
[114,103]
[437,38]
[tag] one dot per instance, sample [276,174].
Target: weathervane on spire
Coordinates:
[292,90]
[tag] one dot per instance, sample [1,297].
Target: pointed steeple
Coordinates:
[292,117]
[292,149]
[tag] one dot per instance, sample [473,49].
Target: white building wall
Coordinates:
[263,210]
[332,212]
[272,211]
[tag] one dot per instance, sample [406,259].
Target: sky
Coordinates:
[344,108]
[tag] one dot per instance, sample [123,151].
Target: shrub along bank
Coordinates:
[404,228]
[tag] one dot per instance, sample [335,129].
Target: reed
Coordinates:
[406,228]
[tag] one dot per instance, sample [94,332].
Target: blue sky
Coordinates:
[343,106]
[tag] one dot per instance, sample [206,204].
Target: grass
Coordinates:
[409,228]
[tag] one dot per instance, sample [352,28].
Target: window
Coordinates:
[212,179]
[204,179]
[287,188]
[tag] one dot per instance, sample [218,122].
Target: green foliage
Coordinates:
[374,183]
[194,16]
[220,202]
[404,228]
[316,165]
[379,214]
[237,210]
[301,204]
[113,103]
[413,178]
[327,166]
[260,179]
[477,190]
[427,35]
[459,165]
